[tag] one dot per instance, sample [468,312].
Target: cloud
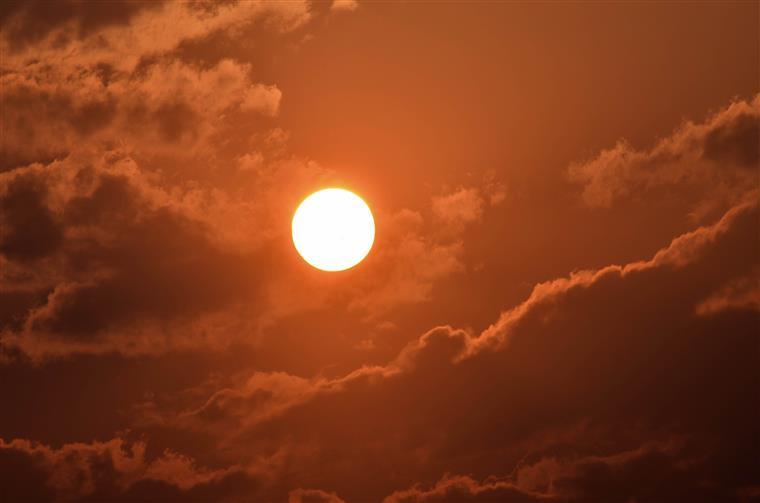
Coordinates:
[144,205]
[718,156]
[681,252]
[111,250]
[410,258]
[262,396]
[27,23]
[741,293]
[165,107]
[414,249]
[653,471]
[466,205]
[113,77]
[165,257]
[344,5]
[29,229]
[262,98]
[118,470]
[650,471]
[620,345]
[463,488]
[410,255]
[82,34]
[313,496]
[114,471]
[113,136]
[461,207]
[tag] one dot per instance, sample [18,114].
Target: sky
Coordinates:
[562,303]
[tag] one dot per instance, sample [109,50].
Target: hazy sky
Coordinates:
[562,302]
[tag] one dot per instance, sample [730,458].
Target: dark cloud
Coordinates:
[114,471]
[181,272]
[175,120]
[110,255]
[312,496]
[147,272]
[121,247]
[27,22]
[29,228]
[652,472]
[736,142]
[453,489]
[165,106]
[623,346]
[106,74]
[119,89]
[22,479]
[65,24]
[740,293]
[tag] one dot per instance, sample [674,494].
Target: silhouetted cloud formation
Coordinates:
[571,356]
[526,328]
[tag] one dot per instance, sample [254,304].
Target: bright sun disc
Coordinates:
[333,229]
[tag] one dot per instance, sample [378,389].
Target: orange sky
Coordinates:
[561,303]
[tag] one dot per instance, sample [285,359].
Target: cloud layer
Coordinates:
[161,340]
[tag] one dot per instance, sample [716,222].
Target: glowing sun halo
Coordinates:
[333,229]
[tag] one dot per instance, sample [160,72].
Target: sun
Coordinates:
[333,229]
